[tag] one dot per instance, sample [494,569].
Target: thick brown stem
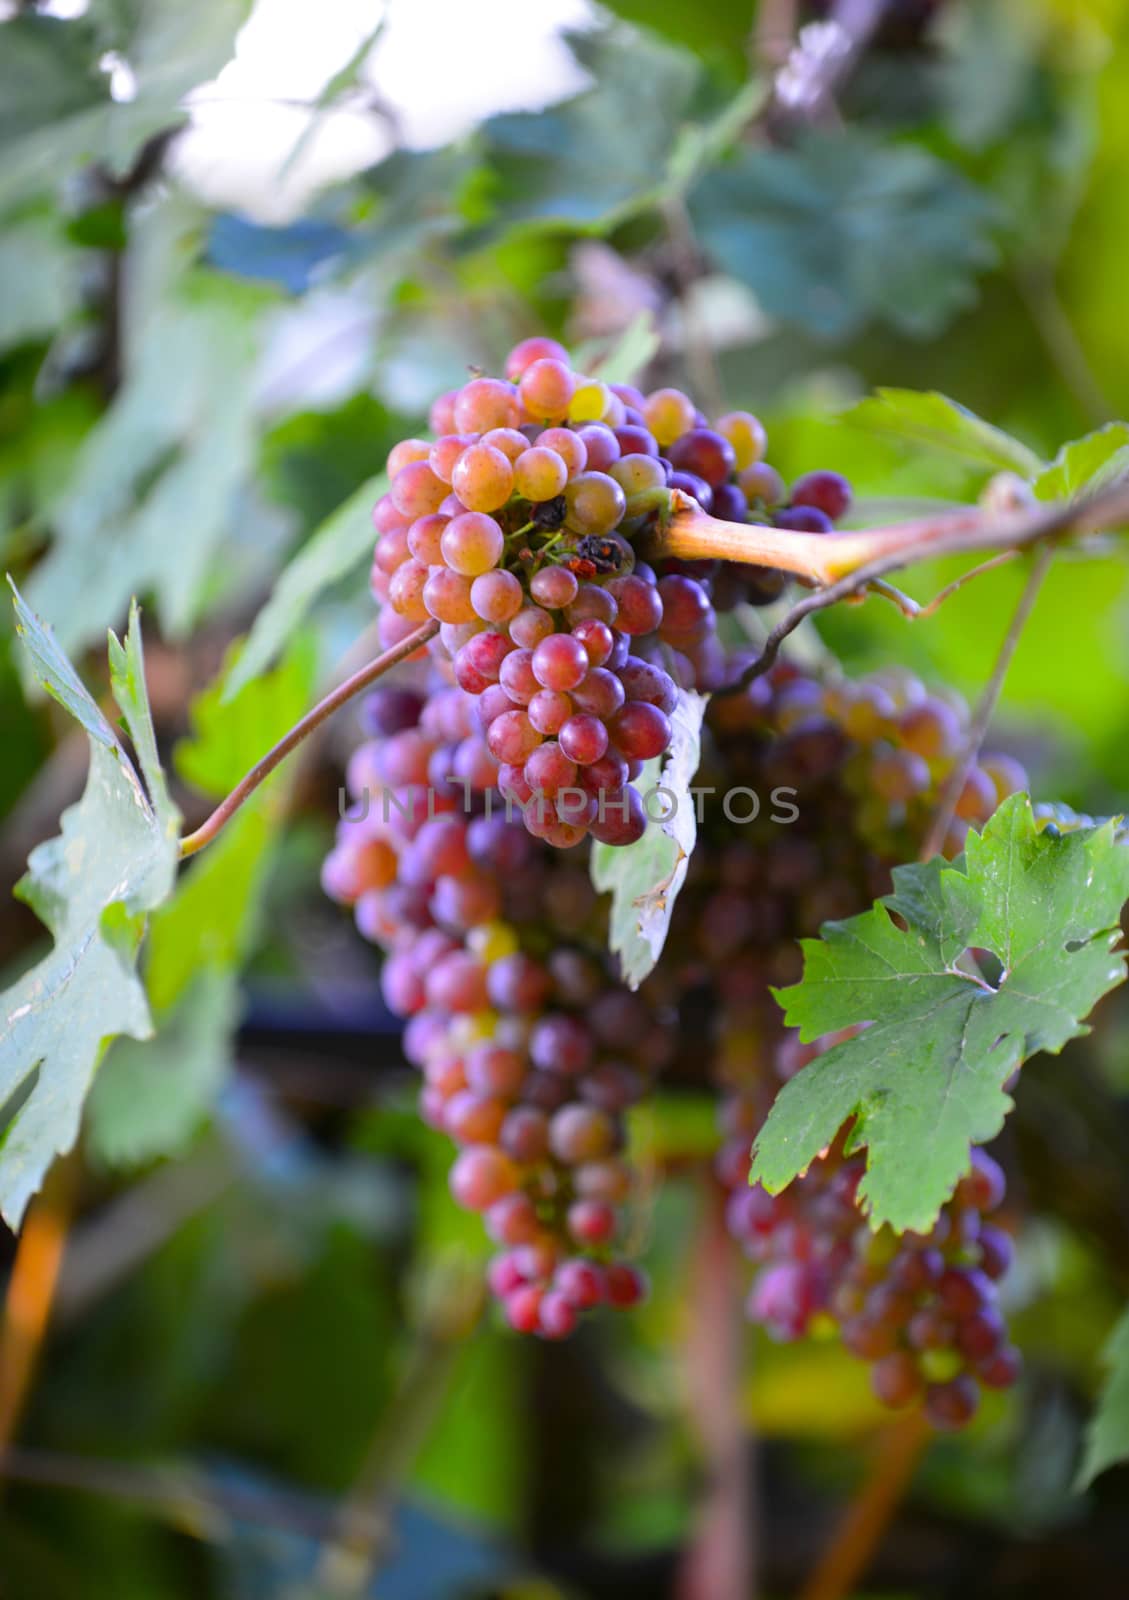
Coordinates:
[262,770]
[867,1518]
[721,1559]
[826,559]
[31,1292]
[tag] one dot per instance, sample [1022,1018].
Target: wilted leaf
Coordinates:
[645,878]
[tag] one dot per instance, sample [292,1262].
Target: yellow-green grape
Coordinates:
[539,474]
[746,434]
[590,401]
[636,474]
[594,503]
[669,414]
[762,485]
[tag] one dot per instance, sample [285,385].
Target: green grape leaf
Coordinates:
[720,29]
[149,1098]
[843,230]
[341,545]
[170,455]
[198,941]
[38,280]
[1107,1437]
[934,421]
[232,729]
[114,860]
[1093,462]
[58,112]
[644,879]
[925,1079]
[553,167]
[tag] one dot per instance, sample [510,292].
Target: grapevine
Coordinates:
[522,531]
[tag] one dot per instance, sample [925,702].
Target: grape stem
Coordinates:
[691,535]
[845,564]
[344,692]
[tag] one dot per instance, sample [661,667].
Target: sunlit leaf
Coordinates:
[114,861]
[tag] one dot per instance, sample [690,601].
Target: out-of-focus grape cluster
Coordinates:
[558,663]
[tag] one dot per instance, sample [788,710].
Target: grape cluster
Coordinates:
[557,666]
[513,530]
[922,1308]
[529,1053]
[867,760]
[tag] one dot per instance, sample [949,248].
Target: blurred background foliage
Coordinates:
[241,251]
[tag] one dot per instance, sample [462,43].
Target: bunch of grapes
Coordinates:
[529,1053]
[866,761]
[921,1308]
[513,530]
[556,667]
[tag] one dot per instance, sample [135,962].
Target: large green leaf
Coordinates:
[148,1100]
[58,113]
[114,861]
[1107,1438]
[38,280]
[340,547]
[644,879]
[1092,462]
[843,230]
[934,422]
[154,488]
[924,1078]
[584,164]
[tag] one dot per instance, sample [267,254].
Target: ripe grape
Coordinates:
[523,355]
[483,479]
[496,596]
[539,474]
[559,662]
[594,503]
[828,492]
[546,387]
[472,544]
[668,414]
[485,403]
[554,587]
